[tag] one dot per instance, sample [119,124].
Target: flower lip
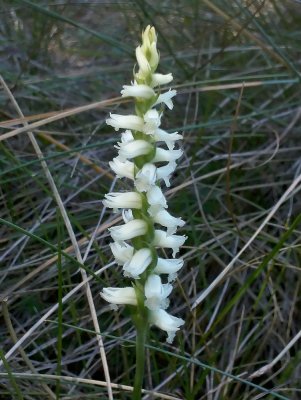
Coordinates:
[173,242]
[166,322]
[163,218]
[122,252]
[166,98]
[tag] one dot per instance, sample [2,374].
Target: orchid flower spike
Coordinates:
[147,157]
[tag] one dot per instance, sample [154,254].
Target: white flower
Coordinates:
[127,137]
[145,178]
[166,155]
[156,196]
[144,67]
[123,200]
[138,263]
[156,294]
[142,91]
[134,149]
[173,242]
[160,79]
[165,172]
[122,252]
[168,265]
[131,229]
[168,138]
[125,122]
[125,295]
[152,121]
[166,98]
[163,218]
[127,215]
[166,322]
[123,169]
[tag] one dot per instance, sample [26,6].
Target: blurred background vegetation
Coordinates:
[236,66]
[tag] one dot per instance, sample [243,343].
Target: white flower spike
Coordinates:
[144,146]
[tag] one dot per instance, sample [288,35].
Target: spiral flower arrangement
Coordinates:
[146,156]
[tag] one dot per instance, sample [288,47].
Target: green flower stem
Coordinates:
[141,327]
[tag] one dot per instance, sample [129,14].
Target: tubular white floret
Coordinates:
[134,149]
[138,263]
[122,252]
[131,229]
[127,215]
[127,136]
[138,90]
[168,138]
[161,79]
[166,171]
[145,178]
[166,322]
[152,120]
[125,122]
[125,295]
[166,98]
[163,218]
[168,265]
[155,197]
[123,200]
[173,242]
[163,155]
[123,169]
[156,293]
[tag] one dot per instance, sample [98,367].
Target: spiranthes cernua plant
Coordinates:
[147,157]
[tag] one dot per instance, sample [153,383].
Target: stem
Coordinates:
[141,328]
